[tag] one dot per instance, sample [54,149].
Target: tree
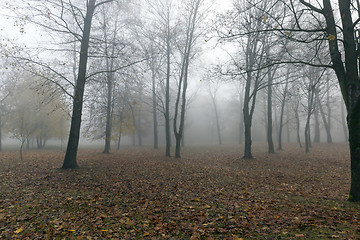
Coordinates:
[283,97]
[73,142]
[250,69]
[36,111]
[343,42]
[68,21]
[164,21]
[213,85]
[193,18]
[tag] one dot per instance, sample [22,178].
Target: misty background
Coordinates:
[40,56]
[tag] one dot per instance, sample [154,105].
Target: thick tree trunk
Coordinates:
[343,121]
[0,134]
[73,142]
[248,141]
[354,140]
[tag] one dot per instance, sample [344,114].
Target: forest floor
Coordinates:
[210,193]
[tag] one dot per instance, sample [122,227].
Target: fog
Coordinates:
[41,56]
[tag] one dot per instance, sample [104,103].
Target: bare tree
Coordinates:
[343,46]
[193,18]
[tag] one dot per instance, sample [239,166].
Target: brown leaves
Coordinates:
[208,194]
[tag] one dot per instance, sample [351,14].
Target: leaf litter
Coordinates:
[210,193]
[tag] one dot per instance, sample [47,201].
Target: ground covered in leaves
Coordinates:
[210,193]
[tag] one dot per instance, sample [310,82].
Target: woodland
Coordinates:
[195,119]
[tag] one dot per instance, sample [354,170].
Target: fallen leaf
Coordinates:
[19,230]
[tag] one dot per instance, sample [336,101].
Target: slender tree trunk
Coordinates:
[269,116]
[288,122]
[119,140]
[307,134]
[310,108]
[154,101]
[183,79]
[241,122]
[297,118]
[183,139]
[325,121]
[139,120]
[281,124]
[73,142]
[110,83]
[213,98]
[21,148]
[167,91]
[316,126]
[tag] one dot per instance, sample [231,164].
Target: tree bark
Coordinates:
[218,130]
[282,111]
[183,79]
[344,124]
[241,121]
[297,118]
[154,101]
[325,121]
[269,114]
[73,142]
[167,88]
[248,141]
[110,83]
[316,126]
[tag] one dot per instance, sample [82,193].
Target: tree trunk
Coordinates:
[213,98]
[248,141]
[183,79]
[316,126]
[326,122]
[344,124]
[73,142]
[167,90]
[154,101]
[307,134]
[288,122]
[241,122]
[297,127]
[109,81]
[354,140]
[119,140]
[0,133]
[269,117]
[139,120]
[282,112]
